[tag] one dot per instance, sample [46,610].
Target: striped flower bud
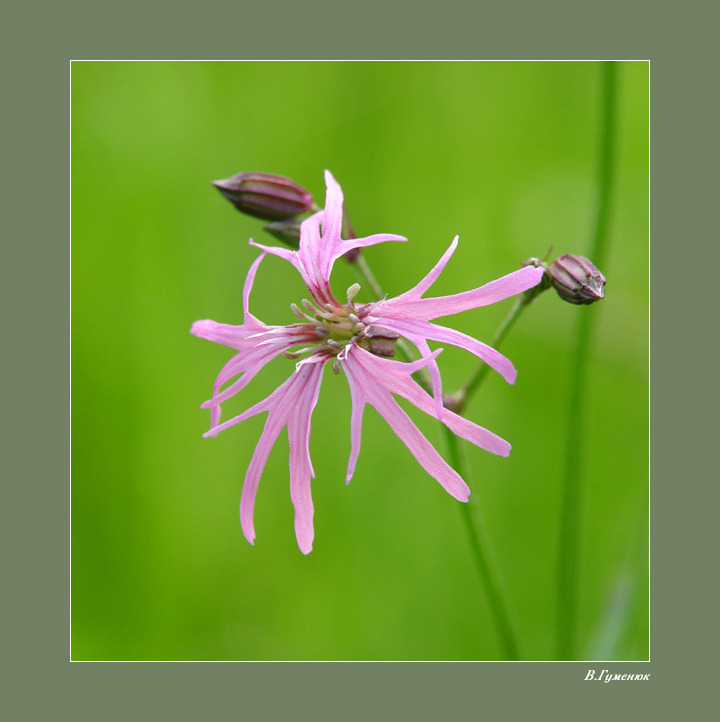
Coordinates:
[576,279]
[267,196]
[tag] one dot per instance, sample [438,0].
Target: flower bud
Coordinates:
[267,196]
[577,280]
[288,232]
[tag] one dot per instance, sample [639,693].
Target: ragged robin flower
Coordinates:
[357,339]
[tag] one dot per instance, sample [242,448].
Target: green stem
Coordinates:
[363,271]
[482,553]
[462,397]
[572,494]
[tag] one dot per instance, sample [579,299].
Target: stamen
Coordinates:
[309,307]
[330,307]
[322,331]
[354,319]
[359,326]
[353,291]
[292,355]
[333,344]
[296,311]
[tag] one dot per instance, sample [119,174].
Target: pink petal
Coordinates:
[341,248]
[301,470]
[289,405]
[287,254]
[318,250]
[358,407]
[249,280]
[373,393]
[332,219]
[280,398]
[249,366]
[269,435]
[224,333]
[416,331]
[427,309]
[434,371]
[396,377]
[424,285]
[255,352]
[306,261]
[254,410]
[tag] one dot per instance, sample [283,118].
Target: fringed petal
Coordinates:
[378,396]
[289,405]
[426,309]
[396,377]
[418,331]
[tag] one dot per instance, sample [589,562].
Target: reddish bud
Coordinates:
[576,279]
[267,196]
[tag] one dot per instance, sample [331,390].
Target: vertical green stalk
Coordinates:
[482,554]
[572,494]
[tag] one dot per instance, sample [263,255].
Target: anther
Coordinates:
[322,331]
[336,366]
[353,291]
[354,319]
[359,327]
[333,344]
[292,355]
[296,310]
[309,307]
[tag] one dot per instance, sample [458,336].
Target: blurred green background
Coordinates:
[503,154]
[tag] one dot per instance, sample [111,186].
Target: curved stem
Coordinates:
[462,397]
[572,494]
[482,554]
[363,271]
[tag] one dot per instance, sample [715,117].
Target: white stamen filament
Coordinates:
[297,354]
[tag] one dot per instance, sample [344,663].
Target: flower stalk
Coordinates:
[479,537]
[573,485]
[460,399]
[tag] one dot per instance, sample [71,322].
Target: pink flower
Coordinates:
[359,339]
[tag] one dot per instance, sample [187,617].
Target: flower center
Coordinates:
[336,327]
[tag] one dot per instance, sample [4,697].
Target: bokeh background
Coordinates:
[503,154]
